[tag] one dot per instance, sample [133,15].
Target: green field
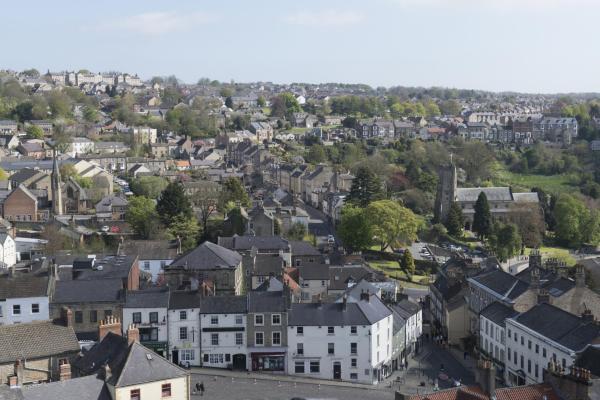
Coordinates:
[392,270]
[524,182]
[556,252]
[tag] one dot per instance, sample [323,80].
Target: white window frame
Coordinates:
[262,334]
[262,318]
[273,338]
[273,319]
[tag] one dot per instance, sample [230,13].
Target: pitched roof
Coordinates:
[267,264]
[224,305]
[207,256]
[562,327]
[90,387]
[339,277]
[109,350]
[314,271]
[458,393]
[498,312]
[406,308]
[149,249]
[543,391]
[36,340]
[101,290]
[148,298]
[242,243]
[265,302]
[502,283]
[143,365]
[333,314]
[184,299]
[492,194]
[23,285]
[302,248]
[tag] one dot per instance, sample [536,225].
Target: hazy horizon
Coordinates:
[527,46]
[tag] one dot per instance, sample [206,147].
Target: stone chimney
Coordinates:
[535,259]
[110,324]
[366,296]
[579,276]
[571,383]
[133,334]
[485,375]
[19,373]
[67,317]
[344,302]
[535,278]
[543,296]
[65,370]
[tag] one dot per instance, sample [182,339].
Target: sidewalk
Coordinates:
[469,363]
[233,375]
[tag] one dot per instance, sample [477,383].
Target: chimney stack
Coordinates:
[366,296]
[543,296]
[133,334]
[107,373]
[485,375]
[19,373]
[65,370]
[579,276]
[110,324]
[67,317]
[344,302]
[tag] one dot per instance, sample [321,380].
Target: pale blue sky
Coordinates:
[521,45]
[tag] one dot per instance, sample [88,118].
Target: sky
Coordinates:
[536,46]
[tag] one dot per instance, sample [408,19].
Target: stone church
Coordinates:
[500,199]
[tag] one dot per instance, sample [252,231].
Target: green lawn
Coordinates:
[524,182]
[556,252]
[392,270]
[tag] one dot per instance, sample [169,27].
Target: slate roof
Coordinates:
[560,326]
[23,285]
[143,365]
[148,298]
[492,193]
[340,276]
[267,264]
[36,340]
[224,305]
[265,302]
[110,267]
[149,249]
[90,291]
[184,299]
[498,312]
[590,360]
[527,197]
[314,271]
[207,256]
[333,314]
[244,243]
[109,350]
[406,308]
[302,248]
[447,288]
[502,283]
[90,387]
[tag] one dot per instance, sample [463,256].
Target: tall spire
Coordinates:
[56,191]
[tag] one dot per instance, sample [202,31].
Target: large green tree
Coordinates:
[482,219]
[284,105]
[455,220]
[407,262]
[173,202]
[505,240]
[354,229]
[184,229]
[233,191]
[366,187]
[575,222]
[391,223]
[148,186]
[142,217]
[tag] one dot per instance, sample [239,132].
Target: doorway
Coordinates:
[175,357]
[337,370]
[239,362]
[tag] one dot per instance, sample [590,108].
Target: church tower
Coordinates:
[55,186]
[446,191]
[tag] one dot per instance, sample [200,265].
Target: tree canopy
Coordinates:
[482,219]
[173,202]
[366,187]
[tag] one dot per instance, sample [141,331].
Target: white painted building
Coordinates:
[8,251]
[80,145]
[223,331]
[492,332]
[412,313]
[184,328]
[541,334]
[147,310]
[350,341]
[23,298]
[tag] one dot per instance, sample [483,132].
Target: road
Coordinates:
[219,388]
[414,293]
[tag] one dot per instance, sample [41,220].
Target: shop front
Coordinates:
[270,362]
